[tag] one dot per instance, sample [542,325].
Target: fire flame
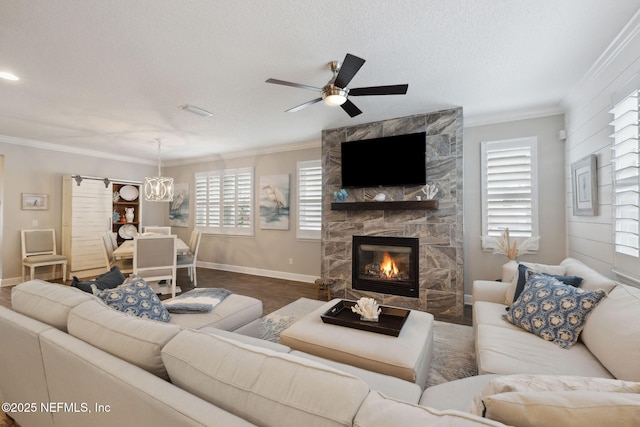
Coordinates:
[388,266]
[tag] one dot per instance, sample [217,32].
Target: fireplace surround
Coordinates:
[439,227]
[387,265]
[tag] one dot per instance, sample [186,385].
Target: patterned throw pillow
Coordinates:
[137,298]
[552,310]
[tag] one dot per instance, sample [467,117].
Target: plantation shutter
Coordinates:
[509,187]
[626,179]
[224,201]
[309,199]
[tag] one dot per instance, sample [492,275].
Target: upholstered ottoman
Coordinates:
[407,356]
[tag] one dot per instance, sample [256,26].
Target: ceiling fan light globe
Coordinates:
[335,100]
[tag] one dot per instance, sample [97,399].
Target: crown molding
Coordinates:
[247,153]
[512,116]
[73,150]
[628,33]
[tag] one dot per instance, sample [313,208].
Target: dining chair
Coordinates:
[39,249]
[189,260]
[154,258]
[125,265]
[156,229]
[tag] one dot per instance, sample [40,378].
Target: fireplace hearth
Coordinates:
[387,265]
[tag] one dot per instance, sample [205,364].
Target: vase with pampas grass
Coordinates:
[511,248]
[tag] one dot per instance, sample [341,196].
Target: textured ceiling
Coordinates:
[108,75]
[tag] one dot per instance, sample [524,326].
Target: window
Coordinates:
[224,201]
[509,187]
[625,165]
[309,199]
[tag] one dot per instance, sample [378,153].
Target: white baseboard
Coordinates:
[468,299]
[259,272]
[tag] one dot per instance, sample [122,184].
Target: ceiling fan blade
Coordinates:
[305,105]
[298,85]
[351,109]
[379,90]
[350,66]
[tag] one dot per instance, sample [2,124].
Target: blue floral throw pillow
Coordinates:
[137,298]
[552,310]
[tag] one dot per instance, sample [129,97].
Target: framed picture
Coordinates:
[274,202]
[35,201]
[584,181]
[179,208]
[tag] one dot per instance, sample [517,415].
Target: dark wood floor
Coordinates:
[274,293]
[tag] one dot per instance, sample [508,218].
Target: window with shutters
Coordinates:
[626,179]
[224,201]
[309,199]
[509,188]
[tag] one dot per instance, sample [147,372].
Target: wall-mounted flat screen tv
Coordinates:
[389,161]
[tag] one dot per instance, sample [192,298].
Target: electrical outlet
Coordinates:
[34,223]
[290,261]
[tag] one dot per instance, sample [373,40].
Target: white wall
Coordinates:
[590,238]
[551,194]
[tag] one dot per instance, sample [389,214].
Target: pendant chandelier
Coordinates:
[158,188]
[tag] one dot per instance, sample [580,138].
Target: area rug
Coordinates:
[453,349]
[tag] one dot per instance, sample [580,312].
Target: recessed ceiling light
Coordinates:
[8,76]
[195,110]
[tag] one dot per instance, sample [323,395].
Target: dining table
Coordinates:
[125,250]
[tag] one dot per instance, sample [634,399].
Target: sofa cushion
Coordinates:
[612,334]
[381,411]
[235,311]
[47,302]
[136,340]
[262,386]
[552,310]
[591,279]
[544,383]
[136,297]
[566,408]
[558,270]
[513,351]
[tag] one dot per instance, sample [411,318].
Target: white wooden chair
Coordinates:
[39,249]
[156,229]
[154,258]
[125,265]
[189,261]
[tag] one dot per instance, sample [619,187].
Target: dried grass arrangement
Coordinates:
[504,245]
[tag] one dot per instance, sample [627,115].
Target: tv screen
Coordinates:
[388,161]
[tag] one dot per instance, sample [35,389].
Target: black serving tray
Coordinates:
[390,320]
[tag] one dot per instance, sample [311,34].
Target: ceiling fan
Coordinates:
[336,92]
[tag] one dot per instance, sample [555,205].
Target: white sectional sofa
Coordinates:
[609,345]
[527,381]
[71,360]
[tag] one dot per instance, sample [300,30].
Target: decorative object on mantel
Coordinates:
[380,197]
[368,309]
[158,188]
[339,196]
[430,190]
[504,246]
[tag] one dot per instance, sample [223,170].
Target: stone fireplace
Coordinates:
[387,265]
[438,231]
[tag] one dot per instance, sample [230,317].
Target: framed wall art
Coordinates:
[274,202]
[584,180]
[35,201]
[179,207]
